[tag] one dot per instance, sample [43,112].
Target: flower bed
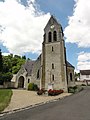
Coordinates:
[41,91]
[54,92]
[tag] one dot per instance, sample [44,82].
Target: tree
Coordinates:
[1,68]
[1,61]
[9,65]
[1,79]
[15,69]
[77,76]
[6,77]
[24,57]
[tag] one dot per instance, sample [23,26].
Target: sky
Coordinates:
[22,23]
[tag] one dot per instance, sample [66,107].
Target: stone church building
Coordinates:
[51,70]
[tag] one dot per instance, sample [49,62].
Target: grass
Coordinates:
[5,97]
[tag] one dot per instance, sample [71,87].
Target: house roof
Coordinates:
[85,72]
[29,66]
[69,65]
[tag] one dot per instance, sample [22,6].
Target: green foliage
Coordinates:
[6,77]
[83,85]
[1,80]
[5,97]
[75,89]
[15,69]
[9,65]
[1,61]
[33,87]
[12,63]
[24,57]
[77,75]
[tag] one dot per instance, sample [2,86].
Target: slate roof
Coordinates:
[29,66]
[85,72]
[69,65]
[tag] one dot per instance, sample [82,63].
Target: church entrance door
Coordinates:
[21,82]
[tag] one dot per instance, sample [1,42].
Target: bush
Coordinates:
[54,92]
[75,89]
[35,87]
[32,87]
[71,90]
[83,85]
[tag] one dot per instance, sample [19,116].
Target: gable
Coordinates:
[53,22]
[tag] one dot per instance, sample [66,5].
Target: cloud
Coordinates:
[78,29]
[5,54]
[76,71]
[21,27]
[83,61]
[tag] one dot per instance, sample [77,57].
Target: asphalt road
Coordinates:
[75,107]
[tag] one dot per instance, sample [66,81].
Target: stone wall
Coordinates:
[71,82]
[56,57]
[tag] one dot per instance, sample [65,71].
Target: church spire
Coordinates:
[53,31]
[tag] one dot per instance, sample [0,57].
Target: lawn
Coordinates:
[5,97]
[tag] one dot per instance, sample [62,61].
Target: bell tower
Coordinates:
[53,57]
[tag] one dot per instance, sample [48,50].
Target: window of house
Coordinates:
[87,76]
[28,80]
[37,74]
[52,49]
[54,36]
[71,76]
[52,66]
[49,37]
[53,77]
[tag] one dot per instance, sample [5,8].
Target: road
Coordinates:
[75,107]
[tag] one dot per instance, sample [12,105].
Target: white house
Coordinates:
[84,75]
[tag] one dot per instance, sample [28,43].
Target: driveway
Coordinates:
[74,107]
[24,98]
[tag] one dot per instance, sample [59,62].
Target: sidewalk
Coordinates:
[23,98]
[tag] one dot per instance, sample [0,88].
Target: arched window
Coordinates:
[49,37]
[28,80]
[52,66]
[38,74]
[54,36]
[52,49]
[53,77]
[71,76]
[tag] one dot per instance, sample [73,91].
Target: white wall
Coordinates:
[84,77]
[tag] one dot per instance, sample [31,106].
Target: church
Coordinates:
[51,70]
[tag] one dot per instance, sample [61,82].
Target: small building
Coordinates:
[84,75]
[51,69]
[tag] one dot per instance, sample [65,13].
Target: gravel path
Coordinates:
[24,98]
